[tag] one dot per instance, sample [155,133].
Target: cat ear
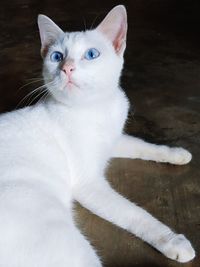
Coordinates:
[49,32]
[114,26]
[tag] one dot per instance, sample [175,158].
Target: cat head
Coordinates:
[81,66]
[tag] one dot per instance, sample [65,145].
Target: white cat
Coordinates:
[56,152]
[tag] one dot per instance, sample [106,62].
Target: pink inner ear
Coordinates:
[114,27]
[120,39]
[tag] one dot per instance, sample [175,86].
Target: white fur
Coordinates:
[57,151]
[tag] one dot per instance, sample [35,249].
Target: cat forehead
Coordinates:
[84,39]
[72,37]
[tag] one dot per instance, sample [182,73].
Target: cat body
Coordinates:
[57,151]
[38,183]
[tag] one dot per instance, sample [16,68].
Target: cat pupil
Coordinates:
[92,53]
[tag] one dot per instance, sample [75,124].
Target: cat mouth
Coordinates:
[70,84]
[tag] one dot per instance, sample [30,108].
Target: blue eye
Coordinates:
[56,56]
[91,53]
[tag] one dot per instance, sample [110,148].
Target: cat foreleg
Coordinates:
[101,199]
[132,147]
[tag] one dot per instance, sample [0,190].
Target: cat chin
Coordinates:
[75,96]
[67,94]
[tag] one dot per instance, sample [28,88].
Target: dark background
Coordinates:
[162,79]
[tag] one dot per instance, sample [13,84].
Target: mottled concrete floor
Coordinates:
[162,80]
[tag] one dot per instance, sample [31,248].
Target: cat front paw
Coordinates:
[179,248]
[179,156]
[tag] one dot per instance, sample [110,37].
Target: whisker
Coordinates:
[29,95]
[37,96]
[94,20]
[35,81]
[84,21]
[35,78]
[44,97]
[35,91]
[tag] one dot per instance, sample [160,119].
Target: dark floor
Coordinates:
[162,80]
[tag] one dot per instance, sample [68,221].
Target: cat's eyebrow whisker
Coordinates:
[94,20]
[85,25]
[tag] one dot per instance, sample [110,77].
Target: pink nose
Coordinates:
[68,69]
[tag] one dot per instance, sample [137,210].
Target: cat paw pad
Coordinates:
[179,248]
[180,156]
